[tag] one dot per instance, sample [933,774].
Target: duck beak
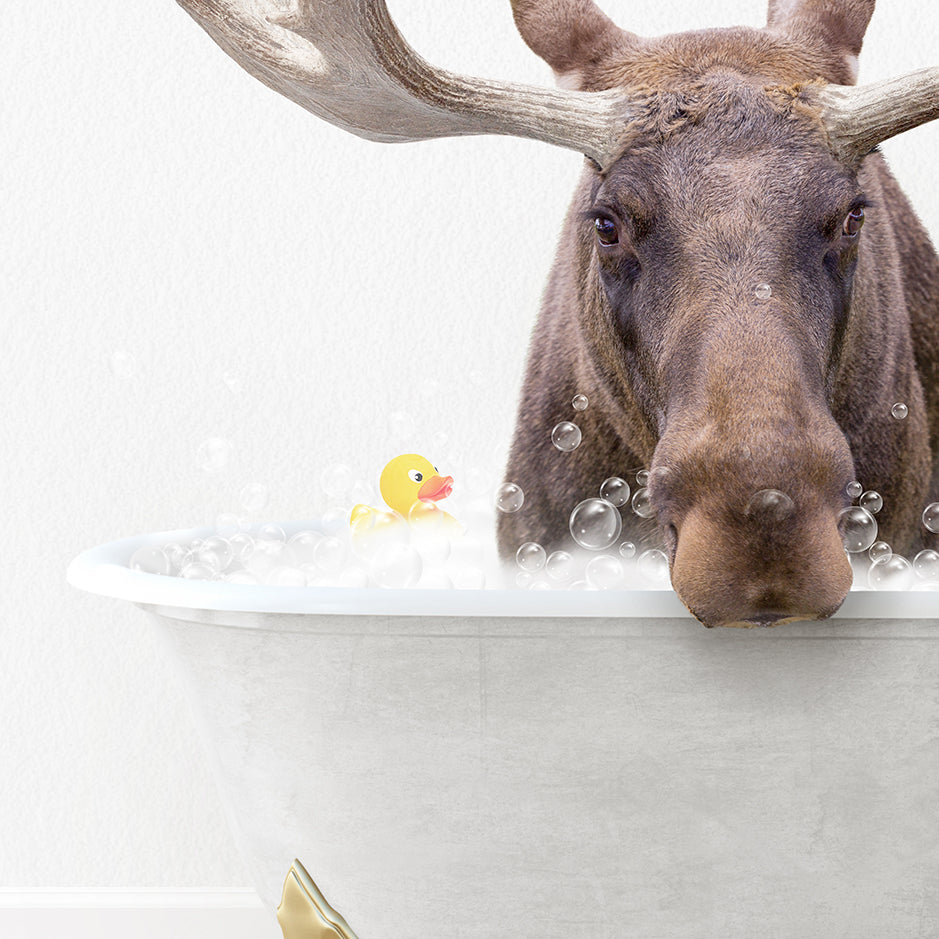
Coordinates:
[437,487]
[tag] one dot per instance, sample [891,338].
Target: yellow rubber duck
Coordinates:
[408,484]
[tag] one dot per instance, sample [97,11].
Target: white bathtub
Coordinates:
[474,764]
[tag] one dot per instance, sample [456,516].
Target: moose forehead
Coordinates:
[665,61]
[727,145]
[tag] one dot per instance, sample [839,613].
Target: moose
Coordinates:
[741,289]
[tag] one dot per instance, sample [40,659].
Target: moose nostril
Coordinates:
[770,505]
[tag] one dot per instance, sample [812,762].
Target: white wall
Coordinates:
[276,282]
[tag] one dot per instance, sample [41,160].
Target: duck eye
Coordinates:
[606,231]
[853,222]
[415,476]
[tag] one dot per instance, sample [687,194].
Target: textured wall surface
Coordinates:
[186,256]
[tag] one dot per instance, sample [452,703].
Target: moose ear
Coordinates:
[838,26]
[572,36]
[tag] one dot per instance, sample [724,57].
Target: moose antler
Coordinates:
[860,117]
[345,61]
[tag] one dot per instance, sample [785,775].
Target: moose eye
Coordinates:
[606,231]
[853,222]
[415,476]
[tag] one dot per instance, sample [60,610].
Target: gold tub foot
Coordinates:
[304,913]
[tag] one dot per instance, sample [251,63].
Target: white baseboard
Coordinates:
[135,914]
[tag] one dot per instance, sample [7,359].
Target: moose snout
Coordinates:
[756,543]
[762,570]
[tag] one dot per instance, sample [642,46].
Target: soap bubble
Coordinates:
[352,577]
[595,524]
[316,578]
[899,411]
[539,585]
[433,548]
[271,532]
[892,573]
[285,577]
[879,550]
[426,514]
[763,291]
[242,577]
[216,552]
[196,571]
[642,478]
[335,481]
[122,364]
[580,402]
[361,491]
[566,436]
[264,555]
[615,491]
[214,454]
[931,516]
[302,547]
[858,528]
[374,531]
[242,544]
[509,497]
[329,554]
[150,560]
[176,554]
[334,520]
[429,530]
[854,489]
[770,505]
[872,501]
[253,497]
[524,580]
[926,565]
[604,572]
[642,504]
[653,565]
[560,566]
[531,557]
[627,550]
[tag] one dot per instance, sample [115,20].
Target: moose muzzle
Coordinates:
[762,571]
[750,513]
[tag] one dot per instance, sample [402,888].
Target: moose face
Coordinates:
[724,255]
[739,332]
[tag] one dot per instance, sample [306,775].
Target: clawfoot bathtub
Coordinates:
[473,764]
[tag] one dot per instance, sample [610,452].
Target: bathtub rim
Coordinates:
[103,570]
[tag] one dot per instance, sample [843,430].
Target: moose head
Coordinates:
[741,288]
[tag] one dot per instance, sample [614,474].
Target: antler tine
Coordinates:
[860,117]
[346,62]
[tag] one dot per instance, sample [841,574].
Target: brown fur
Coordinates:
[728,182]
[569,34]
